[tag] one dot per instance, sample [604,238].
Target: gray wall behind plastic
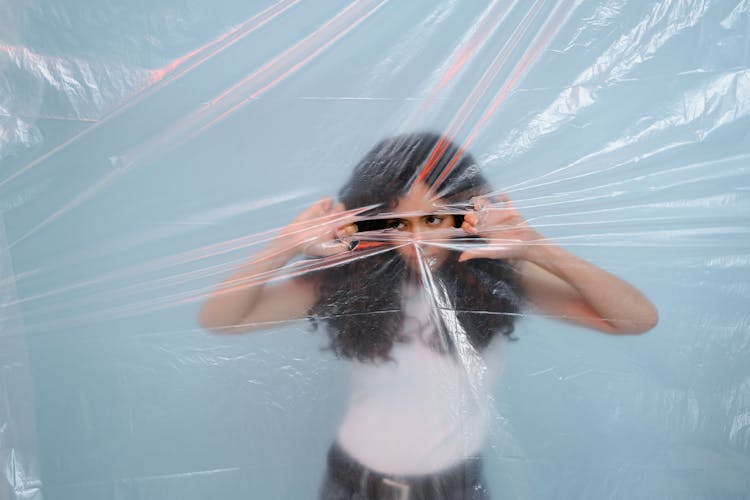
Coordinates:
[626,141]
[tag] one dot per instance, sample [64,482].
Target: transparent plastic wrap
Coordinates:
[375,249]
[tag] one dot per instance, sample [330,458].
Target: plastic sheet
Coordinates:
[150,151]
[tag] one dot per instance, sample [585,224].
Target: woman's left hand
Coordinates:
[506,233]
[554,280]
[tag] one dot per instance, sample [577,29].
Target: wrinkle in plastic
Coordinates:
[149,152]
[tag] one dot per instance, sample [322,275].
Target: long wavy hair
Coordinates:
[360,302]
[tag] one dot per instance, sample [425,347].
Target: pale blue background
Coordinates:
[111,391]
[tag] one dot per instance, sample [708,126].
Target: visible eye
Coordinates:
[395,224]
[434,220]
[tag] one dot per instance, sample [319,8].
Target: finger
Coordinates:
[469,228]
[471,218]
[482,252]
[494,252]
[340,216]
[351,229]
[506,201]
[498,218]
[479,202]
[337,246]
[323,205]
[469,255]
[346,231]
[326,249]
[334,248]
[317,209]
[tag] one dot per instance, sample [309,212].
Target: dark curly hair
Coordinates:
[360,301]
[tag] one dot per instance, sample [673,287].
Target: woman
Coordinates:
[420,274]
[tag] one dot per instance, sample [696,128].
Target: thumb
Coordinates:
[486,252]
[468,255]
[330,248]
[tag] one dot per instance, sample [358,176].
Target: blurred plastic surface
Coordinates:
[147,148]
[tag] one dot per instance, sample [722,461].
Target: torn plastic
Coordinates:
[152,152]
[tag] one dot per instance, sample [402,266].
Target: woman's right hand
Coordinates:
[244,303]
[319,230]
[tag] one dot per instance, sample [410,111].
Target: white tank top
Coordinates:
[424,411]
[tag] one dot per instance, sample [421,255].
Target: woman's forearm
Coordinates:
[236,296]
[244,300]
[616,302]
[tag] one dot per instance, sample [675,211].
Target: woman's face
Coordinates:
[423,225]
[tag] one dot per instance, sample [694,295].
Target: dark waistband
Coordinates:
[359,478]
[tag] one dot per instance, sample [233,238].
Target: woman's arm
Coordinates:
[244,302]
[556,281]
[565,286]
